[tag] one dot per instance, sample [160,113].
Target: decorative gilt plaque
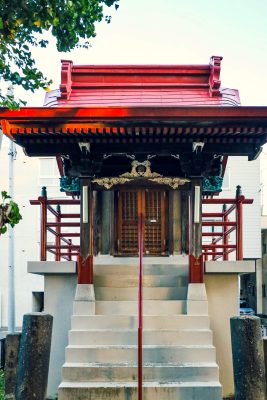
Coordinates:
[141,170]
[174,183]
[109,182]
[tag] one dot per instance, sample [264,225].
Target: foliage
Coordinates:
[2,392]
[9,213]
[24,24]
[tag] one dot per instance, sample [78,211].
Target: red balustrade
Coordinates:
[229,221]
[62,246]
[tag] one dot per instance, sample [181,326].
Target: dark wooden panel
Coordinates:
[128,222]
[153,205]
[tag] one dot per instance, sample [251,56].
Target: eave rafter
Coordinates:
[222,127]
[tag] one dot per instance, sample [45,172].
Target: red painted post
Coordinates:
[225,236]
[196,258]
[140,311]
[58,232]
[43,221]
[239,223]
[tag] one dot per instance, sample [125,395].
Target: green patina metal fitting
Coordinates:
[212,184]
[69,184]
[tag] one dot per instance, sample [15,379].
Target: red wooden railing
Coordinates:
[229,222]
[63,246]
[140,310]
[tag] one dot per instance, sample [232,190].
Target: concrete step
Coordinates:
[150,337]
[116,281]
[93,372]
[148,269]
[150,307]
[149,293]
[151,391]
[128,354]
[123,322]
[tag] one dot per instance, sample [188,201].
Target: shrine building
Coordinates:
[142,257]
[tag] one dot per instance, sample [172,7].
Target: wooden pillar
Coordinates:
[185,221]
[106,222]
[195,222]
[85,259]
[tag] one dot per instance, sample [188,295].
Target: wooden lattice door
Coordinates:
[153,206]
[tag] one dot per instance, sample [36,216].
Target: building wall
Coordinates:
[264,272]
[27,185]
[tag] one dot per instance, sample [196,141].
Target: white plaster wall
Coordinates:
[263,178]
[58,301]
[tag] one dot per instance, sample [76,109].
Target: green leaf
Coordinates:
[3,229]
[5,195]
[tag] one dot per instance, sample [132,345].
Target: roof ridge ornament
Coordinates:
[214,80]
[66,82]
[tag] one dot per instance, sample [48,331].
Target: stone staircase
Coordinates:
[179,361]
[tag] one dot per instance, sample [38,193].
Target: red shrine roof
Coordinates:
[121,108]
[141,85]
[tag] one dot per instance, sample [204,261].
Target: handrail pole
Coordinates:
[43,223]
[58,233]
[140,311]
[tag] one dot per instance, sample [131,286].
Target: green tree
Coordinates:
[23,24]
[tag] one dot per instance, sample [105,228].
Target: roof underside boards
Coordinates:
[224,130]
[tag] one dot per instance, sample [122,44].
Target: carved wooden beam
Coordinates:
[65,86]
[214,81]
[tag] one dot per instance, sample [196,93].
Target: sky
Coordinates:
[177,32]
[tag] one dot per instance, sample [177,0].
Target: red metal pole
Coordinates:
[92,238]
[43,222]
[58,233]
[140,311]
[239,223]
